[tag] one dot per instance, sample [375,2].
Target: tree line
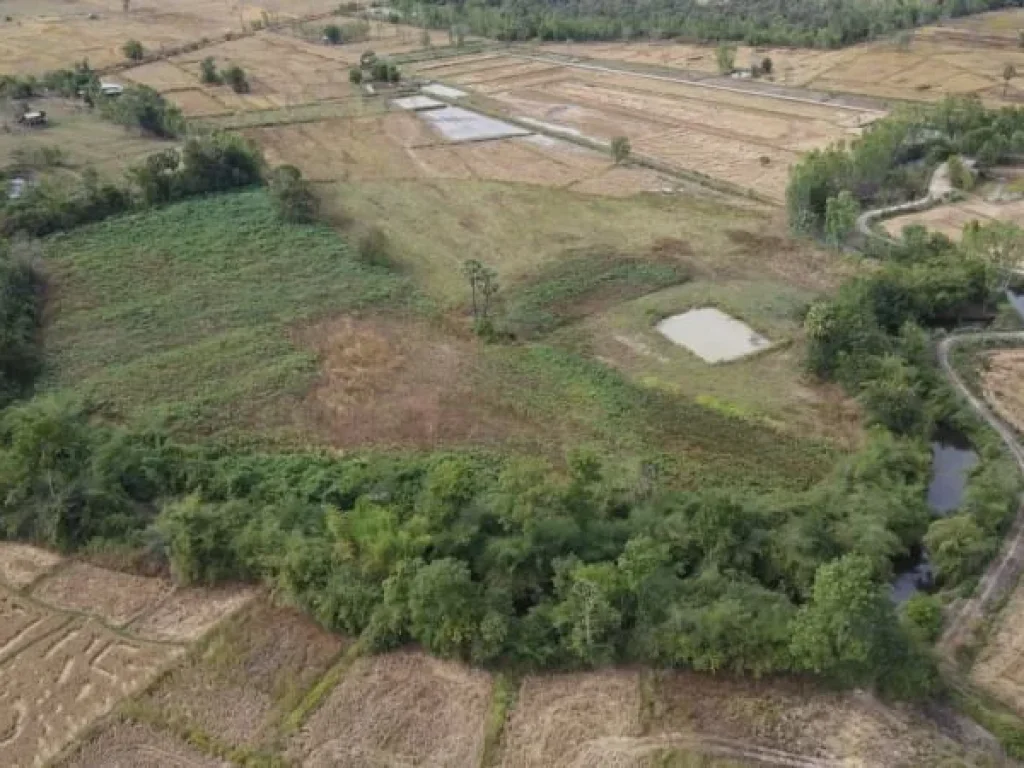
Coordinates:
[803,23]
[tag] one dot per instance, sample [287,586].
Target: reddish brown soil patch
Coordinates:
[392,383]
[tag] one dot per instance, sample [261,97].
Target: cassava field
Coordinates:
[345,421]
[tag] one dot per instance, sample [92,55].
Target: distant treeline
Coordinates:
[805,23]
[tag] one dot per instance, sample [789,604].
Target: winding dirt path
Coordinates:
[1002,573]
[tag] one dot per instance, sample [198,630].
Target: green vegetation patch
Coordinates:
[187,309]
[573,288]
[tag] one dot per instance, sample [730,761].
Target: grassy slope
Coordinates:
[186,310]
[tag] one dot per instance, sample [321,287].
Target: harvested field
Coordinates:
[961,56]
[188,614]
[247,676]
[21,624]
[196,102]
[400,145]
[21,564]
[161,76]
[557,717]
[56,686]
[402,709]
[1003,385]
[96,29]
[131,745]
[951,219]
[747,139]
[115,598]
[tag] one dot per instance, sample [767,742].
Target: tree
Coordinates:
[355,75]
[840,218]
[332,34]
[235,77]
[445,607]
[586,614]
[1000,245]
[725,55]
[483,284]
[133,50]
[621,149]
[958,548]
[292,195]
[208,71]
[960,176]
[1009,72]
[847,629]
[766,65]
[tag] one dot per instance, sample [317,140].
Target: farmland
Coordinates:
[69,656]
[503,517]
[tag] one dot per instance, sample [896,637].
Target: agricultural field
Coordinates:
[41,35]
[1001,384]
[959,56]
[75,640]
[744,138]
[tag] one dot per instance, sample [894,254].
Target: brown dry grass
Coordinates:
[21,624]
[849,728]
[386,382]
[1000,667]
[55,687]
[1003,385]
[116,598]
[21,564]
[188,614]
[403,709]
[247,676]
[132,745]
[557,717]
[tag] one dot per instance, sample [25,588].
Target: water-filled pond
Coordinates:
[952,461]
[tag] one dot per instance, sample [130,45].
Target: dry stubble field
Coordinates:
[743,138]
[962,56]
[75,640]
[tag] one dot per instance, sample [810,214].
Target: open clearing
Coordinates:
[962,56]
[404,708]
[746,139]
[63,668]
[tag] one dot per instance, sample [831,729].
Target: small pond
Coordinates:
[952,461]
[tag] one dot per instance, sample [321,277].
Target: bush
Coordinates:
[143,108]
[235,77]
[208,72]
[960,176]
[374,248]
[332,34]
[21,304]
[384,71]
[621,149]
[293,196]
[922,615]
[355,75]
[133,50]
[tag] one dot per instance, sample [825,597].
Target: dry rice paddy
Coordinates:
[63,667]
[1003,385]
[964,56]
[743,138]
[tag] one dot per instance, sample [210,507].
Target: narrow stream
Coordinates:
[952,461]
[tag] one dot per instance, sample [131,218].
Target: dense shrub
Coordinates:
[133,50]
[143,108]
[234,76]
[293,196]
[21,299]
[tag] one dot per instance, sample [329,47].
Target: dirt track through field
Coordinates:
[1003,572]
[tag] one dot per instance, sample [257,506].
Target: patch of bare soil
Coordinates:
[851,728]
[131,745]
[403,709]
[117,598]
[390,383]
[21,564]
[558,718]
[1003,385]
[249,673]
[188,614]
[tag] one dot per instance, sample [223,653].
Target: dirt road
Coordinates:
[1002,573]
